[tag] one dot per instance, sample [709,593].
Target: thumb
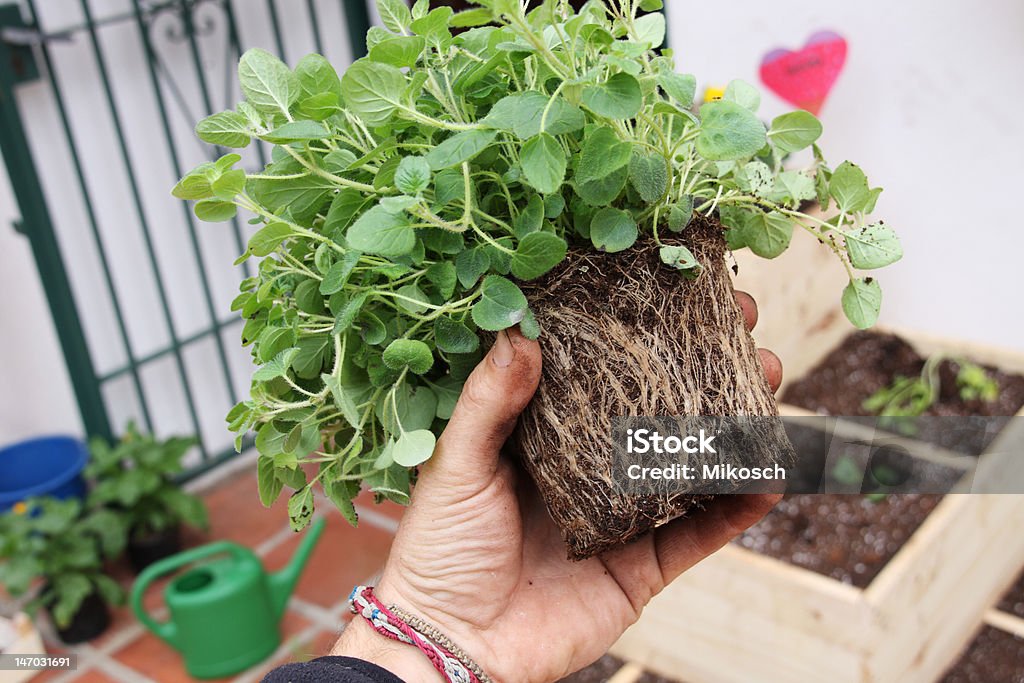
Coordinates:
[493,397]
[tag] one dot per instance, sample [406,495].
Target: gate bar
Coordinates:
[143,222]
[28,193]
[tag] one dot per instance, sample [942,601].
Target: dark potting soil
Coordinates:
[849,538]
[867,361]
[1013,600]
[603,669]
[993,657]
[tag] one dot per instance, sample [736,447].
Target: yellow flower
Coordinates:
[20,508]
[713,92]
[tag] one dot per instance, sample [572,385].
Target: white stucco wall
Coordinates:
[928,105]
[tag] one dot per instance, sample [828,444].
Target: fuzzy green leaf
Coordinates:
[648,174]
[348,313]
[602,155]
[267,83]
[650,29]
[680,87]
[613,230]
[395,14]
[266,480]
[448,389]
[413,175]
[537,253]
[373,91]
[743,94]
[459,148]
[414,448]
[317,77]
[470,265]
[795,131]
[849,187]
[409,353]
[338,274]
[873,246]
[277,367]
[862,300]
[343,400]
[729,131]
[302,196]
[227,129]
[400,51]
[214,210]
[619,98]
[300,508]
[195,185]
[523,113]
[378,231]
[681,258]
[531,218]
[297,131]
[228,185]
[605,190]
[501,306]
[443,276]
[544,164]
[452,336]
[768,234]
[268,238]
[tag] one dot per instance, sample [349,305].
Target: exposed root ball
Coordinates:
[626,335]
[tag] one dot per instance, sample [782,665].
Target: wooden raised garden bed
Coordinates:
[740,616]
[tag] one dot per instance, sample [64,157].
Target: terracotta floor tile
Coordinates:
[121,618]
[303,651]
[343,557]
[48,674]
[237,514]
[94,676]
[153,658]
[88,675]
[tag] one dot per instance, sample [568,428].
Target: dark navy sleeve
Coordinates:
[333,669]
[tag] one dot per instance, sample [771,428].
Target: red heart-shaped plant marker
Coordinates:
[804,77]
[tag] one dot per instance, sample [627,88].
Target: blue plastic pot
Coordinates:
[47,466]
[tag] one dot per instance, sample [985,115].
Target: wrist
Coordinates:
[435,612]
[405,661]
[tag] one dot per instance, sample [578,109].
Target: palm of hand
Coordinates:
[478,556]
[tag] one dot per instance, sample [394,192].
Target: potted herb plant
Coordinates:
[542,169]
[135,477]
[65,546]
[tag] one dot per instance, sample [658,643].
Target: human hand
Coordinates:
[478,557]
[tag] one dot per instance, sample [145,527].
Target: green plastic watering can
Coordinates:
[225,613]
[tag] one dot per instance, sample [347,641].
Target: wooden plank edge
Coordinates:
[1004,621]
[630,673]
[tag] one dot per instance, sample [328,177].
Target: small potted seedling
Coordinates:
[135,478]
[58,549]
[542,169]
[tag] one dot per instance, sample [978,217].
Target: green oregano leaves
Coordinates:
[406,200]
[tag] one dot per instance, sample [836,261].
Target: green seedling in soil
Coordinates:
[406,199]
[913,396]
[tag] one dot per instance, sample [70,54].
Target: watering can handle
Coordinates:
[167,629]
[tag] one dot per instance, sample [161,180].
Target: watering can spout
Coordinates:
[282,583]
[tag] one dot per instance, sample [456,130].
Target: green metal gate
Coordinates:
[97,101]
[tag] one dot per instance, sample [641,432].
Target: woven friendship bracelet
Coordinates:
[392,622]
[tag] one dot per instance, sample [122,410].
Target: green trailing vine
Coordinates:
[405,198]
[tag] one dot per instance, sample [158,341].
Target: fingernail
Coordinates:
[503,352]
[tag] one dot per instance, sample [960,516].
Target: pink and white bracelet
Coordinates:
[397,624]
